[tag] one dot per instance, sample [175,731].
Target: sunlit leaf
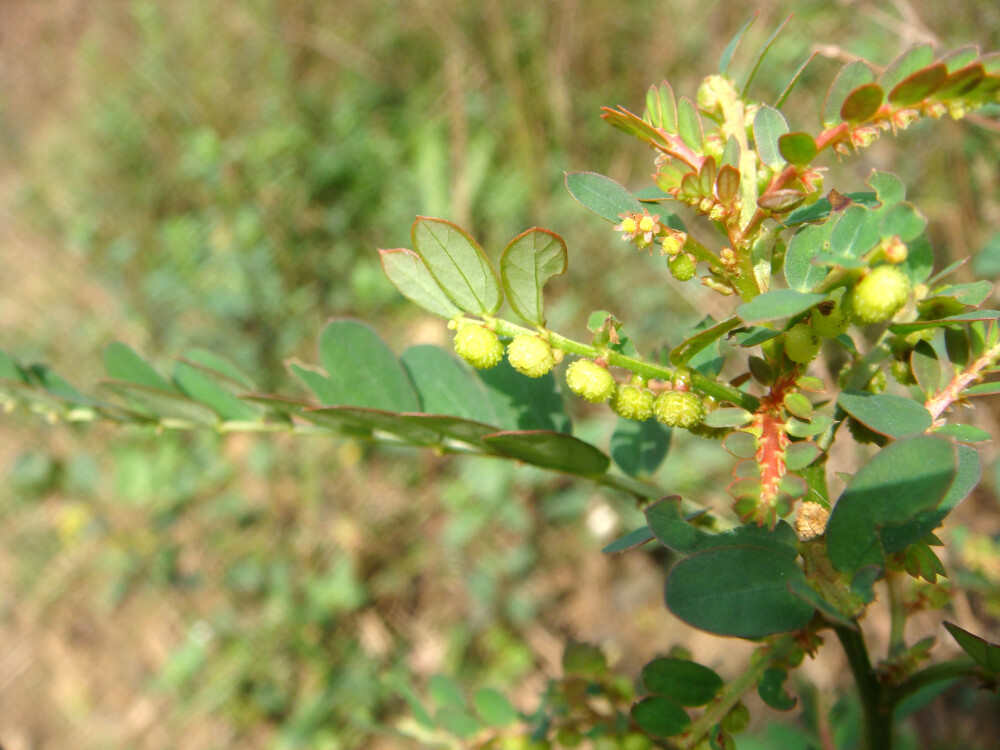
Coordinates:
[768,126]
[458,264]
[601,195]
[410,276]
[527,263]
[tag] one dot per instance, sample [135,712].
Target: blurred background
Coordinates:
[219,175]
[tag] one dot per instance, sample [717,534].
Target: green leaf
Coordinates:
[640,447]
[220,367]
[733,45]
[528,261]
[983,389]
[805,592]
[908,63]
[772,691]
[523,403]
[768,126]
[762,54]
[413,280]
[894,416]
[902,220]
[730,416]
[550,450]
[984,653]
[674,532]
[918,86]
[920,325]
[908,477]
[682,680]
[445,692]
[800,428]
[362,370]
[960,57]
[741,444]
[777,304]
[601,195]
[897,538]
[457,722]
[682,354]
[811,240]
[850,77]
[926,368]
[361,421]
[660,717]
[583,660]
[798,405]
[822,208]
[456,428]
[445,386]
[972,293]
[494,708]
[662,107]
[631,540]
[11,371]
[199,386]
[797,148]
[964,433]
[161,403]
[960,82]
[738,591]
[855,232]
[122,363]
[800,455]
[458,264]
[887,186]
[786,92]
[862,103]
[689,125]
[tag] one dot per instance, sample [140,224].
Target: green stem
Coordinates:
[876,706]
[649,370]
[897,617]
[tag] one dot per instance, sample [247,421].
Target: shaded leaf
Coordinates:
[862,103]
[918,86]
[199,386]
[776,304]
[444,386]
[772,690]
[985,654]
[920,325]
[926,368]
[682,353]
[601,195]
[894,416]
[964,433]
[908,63]
[413,280]
[458,264]
[456,428]
[527,263]
[805,592]
[122,363]
[850,77]
[640,447]
[494,708]
[458,722]
[362,421]
[524,403]
[631,540]
[660,717]
[682,680]
[960,82]
[445,692]
[550,450]
[797,148]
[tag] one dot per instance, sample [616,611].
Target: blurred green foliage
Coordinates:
[225,170]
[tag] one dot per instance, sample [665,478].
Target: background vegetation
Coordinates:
[218,175]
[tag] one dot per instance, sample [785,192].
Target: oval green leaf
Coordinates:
[797,148]
[682,680]
[862,103]
[458,265]
[413,280]
[810,241]
[494,708]
[908,63]
[768,126]
[689,125]
[893,416]
[780,303]
[918,86]
[601,195]
[850,77]
[660,717]
[550,450]
[446,387]
[527,263]
[771,690]
[640,447]
[738,591]
[122,363]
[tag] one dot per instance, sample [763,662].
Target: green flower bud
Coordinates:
[879,295]
[829,319]
[478,346]
[682,267]
[633,403]
[801,343]
[679,409]
[530,355]
[590,381]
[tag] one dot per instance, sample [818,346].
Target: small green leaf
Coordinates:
[122,363]
[601,195]
[798,405]
[456,428]
[894,416]
[920,325]
[583,660]
[196,384]
[772,691]
[799,455]
[219,367]
[682,680]
[457,722]
[816,424]
[527,263]
[909,477]
[705,591]
[662,107]
[902,220]
[777,304]
[494,708]
[733,45]
[741,444]
[964,433]
[444,386]
[689,125]
[730,416]
[822,208]
[926,368]
[850,77]
[550,450]
[161,403]
[887,186]
[797,148]
[855,232]
[362,370]
[908,63]
[11,371]
[862,103]
[960,82]
[640,447]
[960,57]
[631,540]
[811,240]
[660,717]
[985,654]
[786,92]
[768,126]
[413,280]
[458,264]
[361,421]
[682,354]
[918,86]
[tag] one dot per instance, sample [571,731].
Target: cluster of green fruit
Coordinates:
[531,355]
[879,295]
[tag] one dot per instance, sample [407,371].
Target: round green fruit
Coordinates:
[802,343]
[682,267]
[590,381]
[478,346]
[879,295]
[829,319]
[679,409]
[530,355]
[633,403]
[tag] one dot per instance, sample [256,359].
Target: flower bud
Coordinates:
[632,403]
[679,409]
[478,346]
[590,381]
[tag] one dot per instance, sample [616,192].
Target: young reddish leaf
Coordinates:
[918,86]
[862,103]
[961,82]
[850,77]
[960,57]
[662,107]
[906,65]
[797,148]
[727,183]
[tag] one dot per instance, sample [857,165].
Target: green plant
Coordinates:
[802,267]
